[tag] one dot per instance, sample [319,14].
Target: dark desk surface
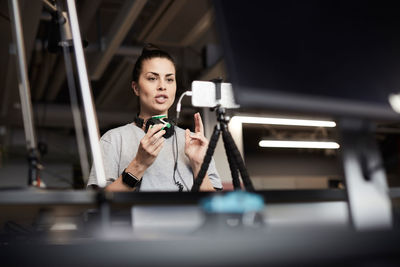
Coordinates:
[288,247]
[84,197]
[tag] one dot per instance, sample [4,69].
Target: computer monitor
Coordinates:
[340,58]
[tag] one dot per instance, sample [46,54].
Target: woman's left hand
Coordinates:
[195,143]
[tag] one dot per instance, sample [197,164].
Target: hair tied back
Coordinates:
[148,47]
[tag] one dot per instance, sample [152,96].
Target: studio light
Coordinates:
[283,121]
[299,144]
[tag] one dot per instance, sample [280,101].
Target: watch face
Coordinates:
[129,179]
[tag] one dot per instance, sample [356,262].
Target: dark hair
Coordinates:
[149,51]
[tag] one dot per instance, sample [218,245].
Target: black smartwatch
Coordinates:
[129,179]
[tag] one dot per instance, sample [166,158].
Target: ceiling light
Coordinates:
[299,144]
[64,226]
[394,100]
[283,121]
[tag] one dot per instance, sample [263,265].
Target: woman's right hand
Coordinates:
[148,150]
[150,146]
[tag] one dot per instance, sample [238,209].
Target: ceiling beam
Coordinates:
[165,20]
[123,50]
[126,17]
[156,16]
[87,13]
[199,29]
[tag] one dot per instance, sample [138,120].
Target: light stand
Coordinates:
[25,94]
[236,164]
[90,112]
[64,41]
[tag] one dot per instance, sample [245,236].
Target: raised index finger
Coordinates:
[198,124]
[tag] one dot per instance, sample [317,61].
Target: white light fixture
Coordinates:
[299,144]
[283,121]
[64,226]
[394,100]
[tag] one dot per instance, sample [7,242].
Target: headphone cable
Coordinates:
[176,155]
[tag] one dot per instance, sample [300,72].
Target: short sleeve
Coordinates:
[110,156]
[214,176]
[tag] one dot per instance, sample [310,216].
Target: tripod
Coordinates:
[234,158]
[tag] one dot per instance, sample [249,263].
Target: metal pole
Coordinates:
[24,93]
[86,96]
[66,43]
[23,82]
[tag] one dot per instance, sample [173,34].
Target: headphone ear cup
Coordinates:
[169,131]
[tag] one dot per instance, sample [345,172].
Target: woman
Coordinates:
[135,159]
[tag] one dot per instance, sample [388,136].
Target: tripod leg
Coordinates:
[238,159]
[207,159]
[232,164]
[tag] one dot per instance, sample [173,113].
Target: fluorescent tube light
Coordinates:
[299,144]
[283,121]
[64,227]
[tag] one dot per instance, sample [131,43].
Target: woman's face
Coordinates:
[156,87]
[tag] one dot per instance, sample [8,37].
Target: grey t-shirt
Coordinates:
[120,145]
